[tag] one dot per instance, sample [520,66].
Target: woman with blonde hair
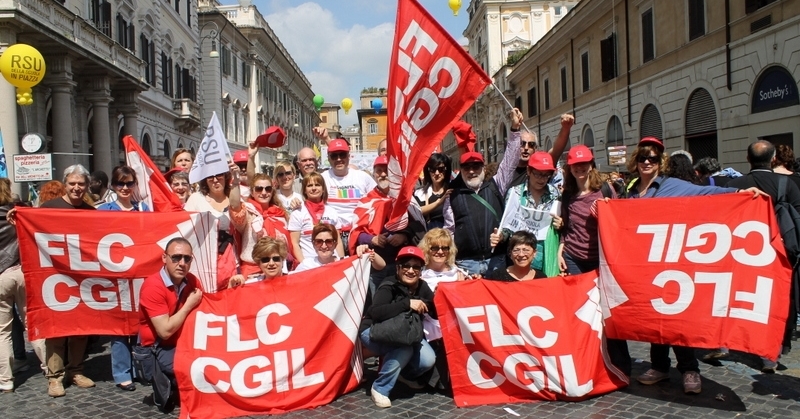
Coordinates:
[284,177]
[270,254]
[314,211]
[182,159]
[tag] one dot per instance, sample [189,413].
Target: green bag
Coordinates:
[551,243]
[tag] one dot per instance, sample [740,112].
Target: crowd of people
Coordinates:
[533,218]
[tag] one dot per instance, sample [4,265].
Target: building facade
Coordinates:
[372,122]
[329,119]
[706,76]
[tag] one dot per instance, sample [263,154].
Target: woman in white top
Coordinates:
[270,254]
[314,211]
[325,239]
[213,198]
[285,176]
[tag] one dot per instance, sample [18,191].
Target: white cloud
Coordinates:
[338,61]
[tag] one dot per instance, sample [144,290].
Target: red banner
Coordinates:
[153,187]
[525,341]
[292,347]
[83,269]
[704,272]
[432,82]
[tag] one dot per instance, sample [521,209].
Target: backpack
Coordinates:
[788,221]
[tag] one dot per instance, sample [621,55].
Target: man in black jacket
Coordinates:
[760,155]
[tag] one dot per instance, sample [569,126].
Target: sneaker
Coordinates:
[82,381]
[379,399]
[55,388]
[691,382]
[718,354]
[20,365]
[652,376]
[412,384]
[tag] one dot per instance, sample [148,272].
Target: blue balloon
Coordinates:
[377,104]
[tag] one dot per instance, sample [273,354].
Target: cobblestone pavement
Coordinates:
[733,387]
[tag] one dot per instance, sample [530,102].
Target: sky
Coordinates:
[343,46]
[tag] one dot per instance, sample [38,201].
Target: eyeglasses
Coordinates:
[282,174]
[184,184]
[522,251]
[128,185]
[415,268]
[528,144]
[221,175]
[648,159]
[341,155]
[440,169]
[260,189]
[326,242]
[273,259]
[436,249]
[540,175]
[176,258]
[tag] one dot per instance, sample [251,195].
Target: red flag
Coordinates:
[432,82]
[153,188]
[371,215]
[704,279]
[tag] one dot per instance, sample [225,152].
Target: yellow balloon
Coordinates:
[347,103]
[454,6]
[22,65]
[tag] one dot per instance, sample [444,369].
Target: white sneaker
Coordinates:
[379,399]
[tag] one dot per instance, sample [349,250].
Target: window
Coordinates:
[245,74]
[585,71]
[546,94]
[563,84]
[185,84]
[149,58]
[697,18]
[518,103]
[608,57]
[751,6]
[178,5]
[235,68]
[166,75]
[372,128]
[100,11]
[648,37]
[588,137]
[225,62]
[324,119]
[126,35]
[532,101]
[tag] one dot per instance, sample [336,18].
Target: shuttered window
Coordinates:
[701,115]
[651,123]
[648,37]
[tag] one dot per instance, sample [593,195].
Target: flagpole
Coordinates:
[510,106]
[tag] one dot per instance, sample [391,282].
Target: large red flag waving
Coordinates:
[432,82]
[153,188]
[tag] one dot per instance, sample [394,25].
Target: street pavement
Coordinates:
[732,388]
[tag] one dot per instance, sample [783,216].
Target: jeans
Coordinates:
[617,349]
[482,266]
[413,360]
[121,364]
[659,358]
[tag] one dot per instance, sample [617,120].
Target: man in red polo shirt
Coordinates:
[165,300]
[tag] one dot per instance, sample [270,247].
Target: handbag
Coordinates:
[403,329]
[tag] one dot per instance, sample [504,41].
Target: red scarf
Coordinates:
[316,209]
[274,220]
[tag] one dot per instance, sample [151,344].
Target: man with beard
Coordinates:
[473,210]
[373,213]
[529,144]
[98,185]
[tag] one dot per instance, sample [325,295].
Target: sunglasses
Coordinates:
[282,174]
[528,144]
[260,189]
[415,268]
[326,242]
[125,184]
[338,156]
[435,249]
[472,167]
[649,159]
[176,258]
[219,176]
[273,259]
[440,169]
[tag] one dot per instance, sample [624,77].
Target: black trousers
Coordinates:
[659,357]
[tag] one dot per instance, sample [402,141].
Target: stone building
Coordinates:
[371,122]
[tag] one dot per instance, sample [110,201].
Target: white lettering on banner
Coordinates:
[498,336]
[722,282]
[76,252]
[550,378]
[109,295]
[697,237]
[203,330]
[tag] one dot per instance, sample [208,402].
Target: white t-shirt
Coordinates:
[430,325]
[197,203]
[286,201]
[345,192]
[308,263]
[301,221]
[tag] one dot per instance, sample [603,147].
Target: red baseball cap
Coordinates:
[579,154]
[338,145]
[653,141]
[273,137]
[240,156]
[381,160]
[169,174]
[471,157]
[541,160]
[411,251]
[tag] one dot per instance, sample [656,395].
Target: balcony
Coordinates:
[188,112]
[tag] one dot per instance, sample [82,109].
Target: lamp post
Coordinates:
[213,35]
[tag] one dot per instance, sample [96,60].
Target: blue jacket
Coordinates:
[666,187]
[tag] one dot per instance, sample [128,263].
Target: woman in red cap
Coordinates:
[406,292]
